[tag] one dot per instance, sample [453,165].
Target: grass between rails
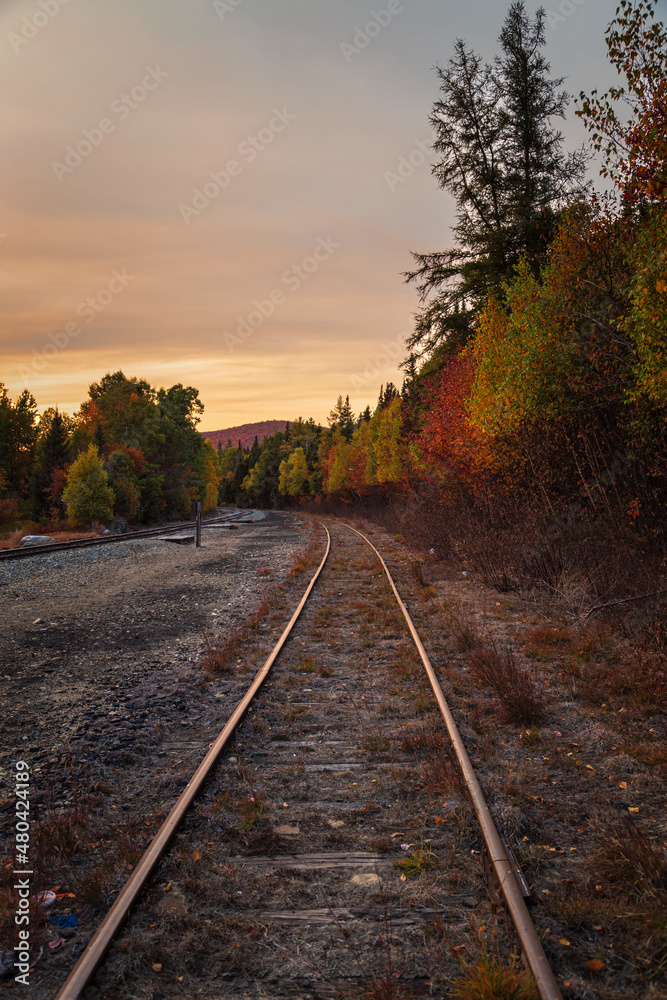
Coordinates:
[225,656]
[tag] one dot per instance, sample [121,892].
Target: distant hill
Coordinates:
[245,433]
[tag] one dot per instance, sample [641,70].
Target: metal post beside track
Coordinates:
[198,527]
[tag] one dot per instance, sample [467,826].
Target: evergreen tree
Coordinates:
[387,394]
[503,162]
[538,174]
[51,453]
[21,439]
[342,416]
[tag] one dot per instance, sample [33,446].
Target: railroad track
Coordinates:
[239,516]
[331,848]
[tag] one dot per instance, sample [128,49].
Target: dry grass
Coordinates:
[548,643]
[13,540]
[417,574]
[462,628]
[520,701]
[420,738]
[441,775]
[639,681]
[628,861]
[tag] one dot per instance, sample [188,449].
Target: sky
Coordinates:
[225,193]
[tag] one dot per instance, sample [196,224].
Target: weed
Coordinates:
[417,573]
[293,711]
[640,681]
[422,738]
[91,887]
[306,666]
[417,862]
[251,811]
[491,978]
[654,755]
[530,738]
[131,841]
[463,630]
[442,776]
[513,686]
[325,671]
[376,744]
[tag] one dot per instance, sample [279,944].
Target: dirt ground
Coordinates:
[333,850]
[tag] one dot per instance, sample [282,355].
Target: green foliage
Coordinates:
[342,417]
[294,475]
[18,436]
[52,453]
[87,496]
[125,484]
[646,321]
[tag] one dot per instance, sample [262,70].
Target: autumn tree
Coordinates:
[294,474]
[88,496]
[635,151]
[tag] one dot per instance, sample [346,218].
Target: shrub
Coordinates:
[512,685]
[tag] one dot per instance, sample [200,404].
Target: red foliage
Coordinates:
[446,437]
[136,456]
[54,492]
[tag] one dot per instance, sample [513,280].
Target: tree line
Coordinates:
[131,450]
[536,374]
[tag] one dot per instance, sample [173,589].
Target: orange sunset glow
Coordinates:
[226,195]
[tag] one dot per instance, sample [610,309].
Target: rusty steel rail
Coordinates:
[533,952]
[129,536]
[99,944]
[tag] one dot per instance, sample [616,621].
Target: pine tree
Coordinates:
[342,416]
[538,174]
[504,164]
[51,453]
[387,396]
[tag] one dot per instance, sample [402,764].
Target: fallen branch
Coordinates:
[625,600]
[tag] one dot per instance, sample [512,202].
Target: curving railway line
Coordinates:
[310,760]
